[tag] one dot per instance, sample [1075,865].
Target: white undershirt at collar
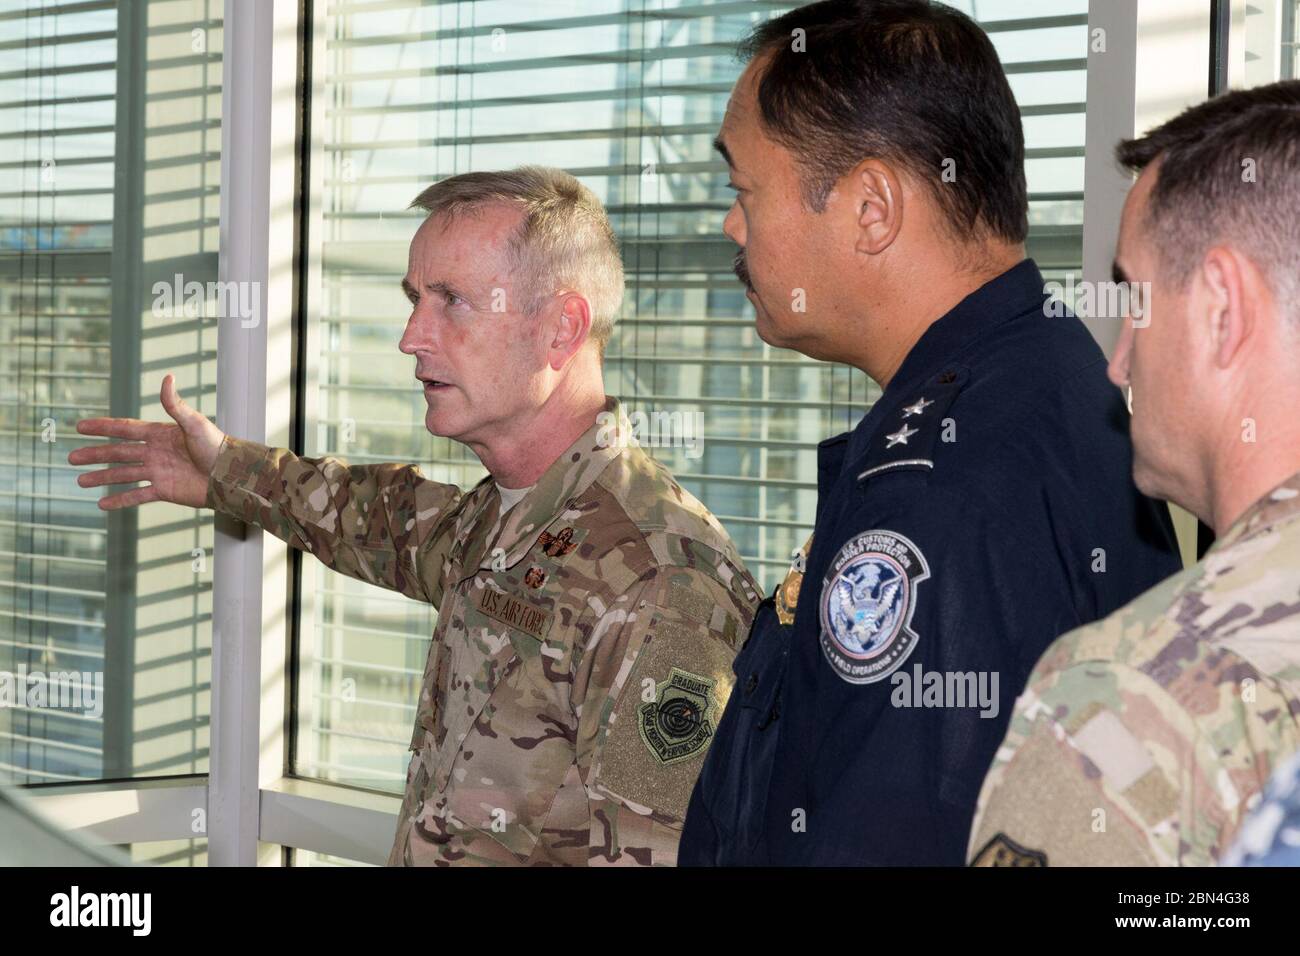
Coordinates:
[511,496]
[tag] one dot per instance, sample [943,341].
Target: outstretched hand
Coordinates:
[175,459]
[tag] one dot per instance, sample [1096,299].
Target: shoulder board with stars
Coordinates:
[906,439]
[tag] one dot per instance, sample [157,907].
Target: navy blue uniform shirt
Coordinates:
[984,506]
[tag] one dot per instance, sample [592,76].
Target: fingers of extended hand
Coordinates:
[128,499]
[113,476]
[131,428]
[105,453]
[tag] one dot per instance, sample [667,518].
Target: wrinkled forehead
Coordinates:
[471,241]
[741,118]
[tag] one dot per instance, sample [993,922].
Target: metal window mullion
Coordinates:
[1139,38]
[233,801]
[125,336]
[1112,101]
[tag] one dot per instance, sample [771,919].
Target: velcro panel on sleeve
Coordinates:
[1046,802]
[690,603]
[665,717]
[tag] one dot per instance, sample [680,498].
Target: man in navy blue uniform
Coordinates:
[984,505]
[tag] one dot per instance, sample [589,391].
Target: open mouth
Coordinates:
[433,385]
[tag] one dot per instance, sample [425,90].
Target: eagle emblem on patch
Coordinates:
[1004,851]
[867,602]
[678,723]
[558,545]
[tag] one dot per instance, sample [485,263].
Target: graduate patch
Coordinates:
[867,602]
[678,723]
[1004,851]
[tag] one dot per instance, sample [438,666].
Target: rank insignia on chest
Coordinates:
[678,723]
[786,598]
[535,577]
[559,544]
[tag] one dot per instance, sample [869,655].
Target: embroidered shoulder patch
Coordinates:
[868,599]
[664,719]
[678,723]
[1004,851]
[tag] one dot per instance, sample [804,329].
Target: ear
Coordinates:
[570,330]
[877,194]
[1234,288]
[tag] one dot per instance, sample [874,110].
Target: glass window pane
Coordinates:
[1269,52]
[110,115]
[168,852]
[311,858]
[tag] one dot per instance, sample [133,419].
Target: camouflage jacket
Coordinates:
[583,648]
[1145,738]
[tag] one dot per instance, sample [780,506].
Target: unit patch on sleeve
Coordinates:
[1004,851]
[678,723]
[867,602]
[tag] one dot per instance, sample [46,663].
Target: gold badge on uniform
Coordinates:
[1004,851]
[787,594]
[677,724]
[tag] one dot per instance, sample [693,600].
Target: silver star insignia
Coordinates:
[901,436]
[917,408]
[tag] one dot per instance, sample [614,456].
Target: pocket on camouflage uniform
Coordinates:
[509,740]
[434,683]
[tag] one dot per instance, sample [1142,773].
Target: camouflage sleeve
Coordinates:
[648,691]
[1103,766]
[384,524]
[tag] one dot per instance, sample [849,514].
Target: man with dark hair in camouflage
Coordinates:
[1147,737]
[589,607]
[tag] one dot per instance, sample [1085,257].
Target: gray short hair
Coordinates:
[564,241]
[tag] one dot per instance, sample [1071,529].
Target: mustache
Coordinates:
[740,266]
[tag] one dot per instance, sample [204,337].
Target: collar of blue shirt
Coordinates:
[1016,292]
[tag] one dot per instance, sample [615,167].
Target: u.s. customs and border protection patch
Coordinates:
[678,723]
[1004,851]
[786,598]
[867,602]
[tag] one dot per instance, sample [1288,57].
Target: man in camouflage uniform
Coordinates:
[1147,737]
[589,607]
